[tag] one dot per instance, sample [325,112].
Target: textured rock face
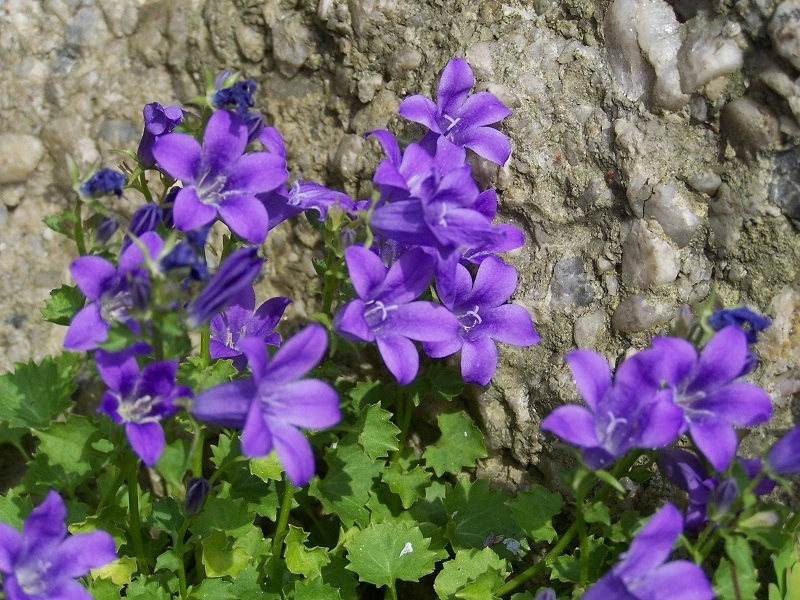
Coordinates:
[631,202]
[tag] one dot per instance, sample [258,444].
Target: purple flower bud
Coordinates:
[236,272]
[546,594]
[146,218]
[784,456]
[222,77]
[721,498]
[167,205]
[255,125]
[197,490]
[140,288]
[157,122]
[103,183]
[751,323]
[239,96]
[106,227]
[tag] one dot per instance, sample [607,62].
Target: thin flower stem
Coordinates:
[330,285]
[793,522]
[158,339]
[283,517]
[197,449]
[144,189]
[179,550]
[404,408]
[133,507]
[205,341]
[391,592]
[79,228]
[583,540]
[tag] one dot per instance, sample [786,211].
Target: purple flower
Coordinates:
[158,121]
[146,218]
[632,413]
[784,457]
[109,290]
[274,403]
[706,494]
[44,560]
[238,96]
[140,400]
[463,119]
[643,573]
[239,321]
[751,323]
[219,179]
[484,316]
[189,254]
[237,271]
[106,227]
[197,490]
[705,389]
[385,311]
[103,183]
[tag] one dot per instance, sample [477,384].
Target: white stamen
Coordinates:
[453,123]
[613,423]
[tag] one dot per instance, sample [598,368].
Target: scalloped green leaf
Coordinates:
[314,589]
[62,305]
[200,376]
[459,446]
[533,510]
[378,435]
[301,560]
[385,552]
[476,512]
[409,485]
[467,566]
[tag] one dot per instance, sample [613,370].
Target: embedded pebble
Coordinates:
[587,329]
[348,159]
[748,126]
[647,259]
[639,313]
[292,44]
[707,53]
[404,60]
[705,182]
[20,153]
[670,209]
[481,58]
[570,285]
[784,31]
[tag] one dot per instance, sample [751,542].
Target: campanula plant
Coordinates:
[202,437]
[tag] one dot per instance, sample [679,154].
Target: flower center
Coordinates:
[613,422]
[470,319]
[453,122]
[30,577]
[376,313]
[137,410]
[114,306]
[209,191]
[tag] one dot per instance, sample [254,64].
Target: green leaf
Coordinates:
[213,589]
[67,448]
[782,561]
[365,393]
[466,567]
[409,485]
[533,510]
[385,552]
[436,383]
[169,561]
[14,509]
[34,394]
[459,446]
[222,514]
[477,512]
[597,513]
[62,223]
[221,557]
[200,377]
[247,584]
[336,574]
[143,589]
[174,461]
[62,305]
[378,434]
[224,451]
[735,579]
[267,468]
[300,560]
[120,572]
[344,491]
[166,516]
[568,568]
[483,587]
[314,589]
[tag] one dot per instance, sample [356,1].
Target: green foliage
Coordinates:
[459,446]
[533,510]
[466,567]
[378,435]
[199,376]
[476,512]
[735,578]
[62,305]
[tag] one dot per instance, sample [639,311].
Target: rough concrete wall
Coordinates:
[654,158]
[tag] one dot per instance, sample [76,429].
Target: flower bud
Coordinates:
[104,183]
[106,227]
[197,489]
[760,520]
[721,498]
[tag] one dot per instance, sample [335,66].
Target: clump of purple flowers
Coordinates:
[104,183]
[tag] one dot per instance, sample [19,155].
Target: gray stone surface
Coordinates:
[592,142]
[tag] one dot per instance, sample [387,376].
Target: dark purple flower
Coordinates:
[275,402]
[237,271]
[705,388]
[168,207]
[44,561]
[103,183]
[106,227]
[239,321]
[385,311]
[218,179]
[140,400]
[189,254]
[255,125]
[462,118]
[146,218]
[197,489]
[784,457]
[238,96]
[632,413]
[751,323]
[643,573]
[158,121]
[108,290]
[485,316]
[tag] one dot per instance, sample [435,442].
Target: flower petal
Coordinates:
[179,155]
[87,329]
[295,454]
[118,370]
[226,404]
[389,143]
[366,270]
[147,440]
[267,316]
[349,322]
[62,589]
[591,374]
[407,278]
[308,403]
[189,213]
[741,404]
[256,437]
[715,439]
[403,221]
[256,352]
[455,84]
[510,324]
[487,142]
[45,526]
[660,583]
[246,217]
[652,545]
[421,110]
[224,141]
[662,424]
[10,545]
[721,360]
[421,321]
[573,424]
[84,551]
[256,173]
[298,355]
[400,356]
[784,456]
[478,360]
[93,275]
[494,283]
[482,108]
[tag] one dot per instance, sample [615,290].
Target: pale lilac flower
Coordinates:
[705,388]
[140,400]
[386,312]
[784,457]
[462,118]
[643,572]
[240,321]
[631,413]
[275,402]
[158,121]
[484,315]
[44,561]
[219,179]
[109,291]
[237,271]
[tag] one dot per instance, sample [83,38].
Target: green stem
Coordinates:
[157,337]
[405,411]
[205,340]
[144,189]
[392,591]
[197,449]
[330,285]
[79,228]
[793,522]
[179,550]
[135,524]
[584,541]
[283,518]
